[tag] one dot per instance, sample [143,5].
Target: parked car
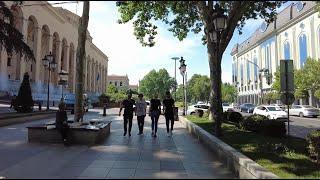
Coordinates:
[283,107]
[304,110]
[271,112]
[226,107]
[235,106]
[247,107]
[194,108]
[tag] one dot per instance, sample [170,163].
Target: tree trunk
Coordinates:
[215,95]
[81,56]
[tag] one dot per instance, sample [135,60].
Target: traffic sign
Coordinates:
[287,98]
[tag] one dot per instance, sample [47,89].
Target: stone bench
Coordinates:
[87,134]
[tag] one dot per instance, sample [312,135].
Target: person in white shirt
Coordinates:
[141,108]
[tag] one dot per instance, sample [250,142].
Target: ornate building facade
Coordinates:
[49,29]
[295,34]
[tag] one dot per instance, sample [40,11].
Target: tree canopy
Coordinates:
[199,88]
[156,82]
[229,93]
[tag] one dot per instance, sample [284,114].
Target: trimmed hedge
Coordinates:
[232,118]
[261,124]
[253,123]
[313,140]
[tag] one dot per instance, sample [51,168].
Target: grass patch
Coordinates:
[291,162]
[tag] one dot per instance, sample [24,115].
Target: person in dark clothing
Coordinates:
[62,122]
[127,104]
[154,112]
[168,108]
[13,101]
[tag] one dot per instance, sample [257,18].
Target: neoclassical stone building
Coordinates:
[52,29]
[120,82]
[295,34]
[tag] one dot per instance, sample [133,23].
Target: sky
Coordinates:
[127,56]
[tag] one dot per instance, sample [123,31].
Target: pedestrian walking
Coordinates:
[127,104]
[168,108]
[141,108]
[62,122]
[154,112]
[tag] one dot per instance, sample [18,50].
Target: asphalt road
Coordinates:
[300,126]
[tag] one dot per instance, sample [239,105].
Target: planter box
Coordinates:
[85,134]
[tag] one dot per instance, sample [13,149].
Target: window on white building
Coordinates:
[121,83]
[241,73]
[255,60]
[286,50]
[303,49]
[248,71]
[115,83]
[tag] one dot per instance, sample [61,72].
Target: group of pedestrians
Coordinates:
[140,110]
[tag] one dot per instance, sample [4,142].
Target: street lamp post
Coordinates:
[48,62]
[266,71]
[63,81]
[175,77]
[183,68]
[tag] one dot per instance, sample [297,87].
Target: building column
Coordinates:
[38,54]
[58,61]
[66,58]
[23,63]
[74,70]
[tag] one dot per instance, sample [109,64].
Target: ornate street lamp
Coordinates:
[51,65]
[183,68]
[63,81]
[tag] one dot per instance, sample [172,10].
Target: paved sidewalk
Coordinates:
[180,156]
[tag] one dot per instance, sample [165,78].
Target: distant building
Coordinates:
[134,87]
[120,82]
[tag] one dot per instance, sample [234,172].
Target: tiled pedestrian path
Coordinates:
[180,156]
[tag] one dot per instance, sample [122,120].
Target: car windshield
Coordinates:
[273,108]
[307,106]
[225,104]
[250,105]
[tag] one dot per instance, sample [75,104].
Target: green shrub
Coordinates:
[253,123]
[232,117]
[313,140]
[273,128]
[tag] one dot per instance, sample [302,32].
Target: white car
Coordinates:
[271,112]
[226,107]
[304,110]
[193,109]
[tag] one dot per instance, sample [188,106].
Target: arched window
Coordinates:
[248,71]
[241,73]
[286,50]
[255,60]
[303,49]
[120,83]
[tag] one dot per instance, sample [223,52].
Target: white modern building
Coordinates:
[295,34]
[47,29]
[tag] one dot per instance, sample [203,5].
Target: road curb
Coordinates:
[235,161]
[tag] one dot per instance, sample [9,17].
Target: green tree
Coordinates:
[271,96]
[81,56]
[112,89]
[229,93]
[197,16]
[24,98]
[199,87]
[156,83]
[11,38]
